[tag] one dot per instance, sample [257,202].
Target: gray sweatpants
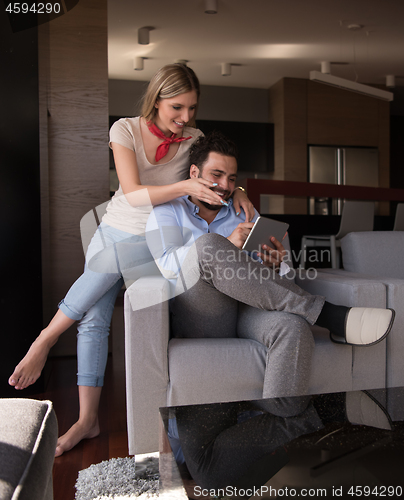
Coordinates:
[235,294]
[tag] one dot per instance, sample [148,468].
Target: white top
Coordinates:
[126,132]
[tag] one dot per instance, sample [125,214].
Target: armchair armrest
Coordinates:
[369,364]
[394,299]
[146,345]
[342,289]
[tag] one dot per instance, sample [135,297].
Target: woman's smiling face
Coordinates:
[174,113]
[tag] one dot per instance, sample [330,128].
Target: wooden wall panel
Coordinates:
[309,113]
[295,108]
[384,152]
[384,144]
[396,151]
[276,116]
[288,112]
[341,118]
[77,141]
[295,166]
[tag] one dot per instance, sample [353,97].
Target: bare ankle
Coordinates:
[88,422]
[45,340]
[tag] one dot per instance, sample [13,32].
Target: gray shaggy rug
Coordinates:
[119,479]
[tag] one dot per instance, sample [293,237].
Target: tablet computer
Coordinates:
[260,234]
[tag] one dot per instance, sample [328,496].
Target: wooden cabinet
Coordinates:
[309,113]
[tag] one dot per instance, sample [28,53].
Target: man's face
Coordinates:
[221,170]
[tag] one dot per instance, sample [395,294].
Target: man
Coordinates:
[220,290]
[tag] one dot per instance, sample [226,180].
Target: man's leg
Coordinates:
[210,309]
[231,271]
[290,345]
[222,266]
[202,312]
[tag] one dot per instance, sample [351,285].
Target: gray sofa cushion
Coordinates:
[375,253]
[28,436]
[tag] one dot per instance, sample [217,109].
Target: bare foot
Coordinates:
[30,367]
[75,434]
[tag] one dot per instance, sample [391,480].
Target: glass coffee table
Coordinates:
[342,445]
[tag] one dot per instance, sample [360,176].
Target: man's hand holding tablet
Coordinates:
[265,238]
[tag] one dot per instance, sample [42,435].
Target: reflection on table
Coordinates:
[327,441]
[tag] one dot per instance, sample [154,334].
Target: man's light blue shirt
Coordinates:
[173,227]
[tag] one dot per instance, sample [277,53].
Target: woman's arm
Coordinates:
[140,195]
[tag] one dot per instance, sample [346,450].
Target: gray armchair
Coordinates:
[378,255]
[165,371]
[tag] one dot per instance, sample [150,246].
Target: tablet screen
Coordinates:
[260,234]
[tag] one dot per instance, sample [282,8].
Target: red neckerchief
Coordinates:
[162,150]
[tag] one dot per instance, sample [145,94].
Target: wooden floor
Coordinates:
[61,389]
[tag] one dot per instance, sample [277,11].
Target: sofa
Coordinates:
[164,371]
[28,436]
[378,255]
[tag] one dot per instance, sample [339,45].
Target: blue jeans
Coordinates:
[114,257]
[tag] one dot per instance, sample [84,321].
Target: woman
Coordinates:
[151,158]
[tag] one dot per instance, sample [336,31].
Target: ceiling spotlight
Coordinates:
[325,67]
[138,63]
[181,61]
[143,35]
[390,81]
[226,69]
[210,6]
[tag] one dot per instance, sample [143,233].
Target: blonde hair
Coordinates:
[169,81]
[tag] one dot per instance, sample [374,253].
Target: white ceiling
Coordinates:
[266,40]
